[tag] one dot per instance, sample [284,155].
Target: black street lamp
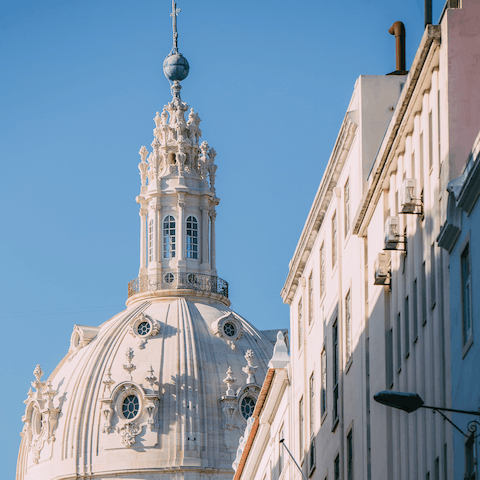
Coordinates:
[410,402]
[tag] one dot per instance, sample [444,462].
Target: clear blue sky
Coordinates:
[80,85]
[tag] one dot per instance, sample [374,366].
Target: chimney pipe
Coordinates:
[428,12]
[398,29]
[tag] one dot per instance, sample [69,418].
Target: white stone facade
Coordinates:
[365,318]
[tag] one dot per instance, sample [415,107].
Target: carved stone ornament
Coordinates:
[128,432]
[143,327]
[229,402]
[81,336]
[129,423]
[249,391]
[129,367]
[250,369]
[40,416]
[242,442]
[228,327]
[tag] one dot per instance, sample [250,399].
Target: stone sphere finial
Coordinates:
[176,67]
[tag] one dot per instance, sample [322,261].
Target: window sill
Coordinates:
[335,423]
[348,364]
[324,416]
[467,346]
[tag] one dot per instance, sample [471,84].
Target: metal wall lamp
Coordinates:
[410,402]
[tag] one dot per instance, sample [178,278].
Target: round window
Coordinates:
[143,328]
[130,407]
[247,406]
[169,278]
[37,422]
[230,329]
[191,278]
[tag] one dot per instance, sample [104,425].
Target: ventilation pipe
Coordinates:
[398,29]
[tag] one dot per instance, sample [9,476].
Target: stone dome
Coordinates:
[175,67]
[161,390]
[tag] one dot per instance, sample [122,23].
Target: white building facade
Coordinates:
[369,285]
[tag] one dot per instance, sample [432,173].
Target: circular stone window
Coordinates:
[191,278]
[230,329]
[130,407]
[247,406]
[169,278]
[143,328]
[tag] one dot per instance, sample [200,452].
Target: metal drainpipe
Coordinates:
[341,336]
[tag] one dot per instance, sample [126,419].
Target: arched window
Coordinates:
[150,241]
[168,237]
[192,237]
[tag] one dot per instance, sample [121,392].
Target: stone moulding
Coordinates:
[218,328]
[82,335]
[153,331]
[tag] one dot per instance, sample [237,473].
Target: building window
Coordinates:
[312,404]
[424,294]
[470,459]
[430,141]
[192,237]
[438,118]
[150,241]
[389,358]
[130,407]
[281,458]
[421,162]
[346,200]
[437,468]
[310,298]
[336,371]
[300,428]
[399,343]
[334,239]
[406,317]
[415,310]
[350,455]
[466,294]
[322,270]
[323,391]
[247,406]
[300,325]
[348,325]
[169,237]
[336,468]
[433,291]
[312,457]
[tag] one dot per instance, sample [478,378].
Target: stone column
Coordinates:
[212,243]
[143,242]
[157,253]
[181,231]
[204,265]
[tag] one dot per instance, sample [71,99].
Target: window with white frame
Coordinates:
[336,468]
[322,270]
[323,390]
[192,237]
[150,240]
[348,325]
[350,454]
[312,404]
[466,294]
[300,324]
[346,204]
[310,298]
[300,428]
[169,237]
[336,371]
[470,459]
[406,317]
[334,239]
[281,458]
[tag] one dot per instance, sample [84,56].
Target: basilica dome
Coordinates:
[161,390]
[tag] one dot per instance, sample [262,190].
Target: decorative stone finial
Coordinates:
[37,384]
[280,356]
[250,369]
[229,380]
[129,367]
[150,378]
[108,381]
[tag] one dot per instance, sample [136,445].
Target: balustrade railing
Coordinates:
[184,280]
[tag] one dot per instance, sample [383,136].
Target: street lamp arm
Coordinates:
[282,441]
[466,412]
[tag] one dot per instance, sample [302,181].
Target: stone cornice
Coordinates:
[319,207]
[276,382]
[428,47]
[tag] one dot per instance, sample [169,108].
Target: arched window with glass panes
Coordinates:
[192,237]
[169,237]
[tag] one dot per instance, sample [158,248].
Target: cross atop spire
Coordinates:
[174,14]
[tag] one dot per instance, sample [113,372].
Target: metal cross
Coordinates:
[174,14]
